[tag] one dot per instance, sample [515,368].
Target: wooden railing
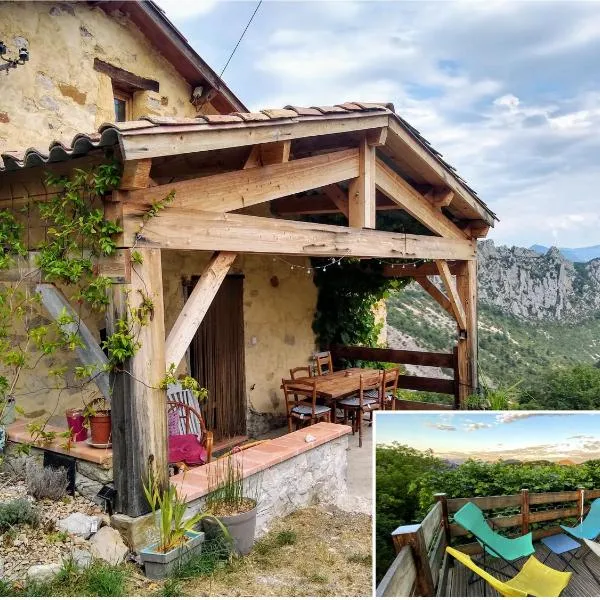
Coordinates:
[410,382]
[421,564]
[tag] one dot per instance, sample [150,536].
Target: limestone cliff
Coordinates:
[536,286]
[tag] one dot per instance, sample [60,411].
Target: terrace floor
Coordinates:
[582,582]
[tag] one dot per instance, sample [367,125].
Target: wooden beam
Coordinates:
[440,198]
[139,415]
[466,284]
[361,193]
[436,294]
[195,308]
[477,229]
[414,203]
[272,153]
[322,204]
[453,297]
[116,267]
[136,174]
[124,78]
[178,229]
[239,189]
[377,137]
[145,145]
[90,353]
[338,197]
[424,270]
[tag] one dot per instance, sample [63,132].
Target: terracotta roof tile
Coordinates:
[252,116]
[222,118]
[303,111]
[279,113]
[329,110]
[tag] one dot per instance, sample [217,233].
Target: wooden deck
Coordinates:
[582,582]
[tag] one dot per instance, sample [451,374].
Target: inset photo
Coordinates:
[472,504]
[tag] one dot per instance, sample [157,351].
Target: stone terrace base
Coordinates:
[287,472]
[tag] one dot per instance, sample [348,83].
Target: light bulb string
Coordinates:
[338,261]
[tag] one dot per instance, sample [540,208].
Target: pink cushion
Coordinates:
[187,449]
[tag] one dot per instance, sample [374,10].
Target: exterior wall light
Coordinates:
[12,63]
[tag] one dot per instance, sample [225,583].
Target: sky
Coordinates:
[495,435]
[509,92]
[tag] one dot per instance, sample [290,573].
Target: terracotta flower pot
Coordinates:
[75,422]
[100,427]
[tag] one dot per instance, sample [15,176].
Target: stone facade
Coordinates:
[58,93]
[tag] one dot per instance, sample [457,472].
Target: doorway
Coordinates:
[217,360]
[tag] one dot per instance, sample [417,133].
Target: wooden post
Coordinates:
[580,501]
[412,535]
[466,284]
[524,511]
[443,499]
[361,193]
[457,399]
[139,416]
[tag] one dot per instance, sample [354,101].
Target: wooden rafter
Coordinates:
[196,307]
[338,197]
[136,174]
[414,203]
[453,297]
[239,189]
[179,229]
[361,192]
[436,294]
[272,153]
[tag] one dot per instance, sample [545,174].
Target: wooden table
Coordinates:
[338,385]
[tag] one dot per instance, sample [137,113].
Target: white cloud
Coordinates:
[441,426]
[476,426]
[186,9]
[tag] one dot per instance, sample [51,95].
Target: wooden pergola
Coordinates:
[352,159]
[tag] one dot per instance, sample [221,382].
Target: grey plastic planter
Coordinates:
[241,527]
[159,565]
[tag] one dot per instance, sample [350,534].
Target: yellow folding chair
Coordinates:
[534,578]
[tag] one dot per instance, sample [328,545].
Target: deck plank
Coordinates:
[582,582]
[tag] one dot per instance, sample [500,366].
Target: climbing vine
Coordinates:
[77,237]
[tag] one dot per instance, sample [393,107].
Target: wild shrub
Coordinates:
[45,482]
[17,512]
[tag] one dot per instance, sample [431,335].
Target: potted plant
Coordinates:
[177,539]
[232,503]
[76,423]
[96,416]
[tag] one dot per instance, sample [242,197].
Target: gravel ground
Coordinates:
[25,546]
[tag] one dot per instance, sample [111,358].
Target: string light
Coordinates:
[338,261]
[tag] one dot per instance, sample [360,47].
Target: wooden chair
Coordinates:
[323,362]
[304,372]
[190,443]
[389,388]
[364,403]
[301,403]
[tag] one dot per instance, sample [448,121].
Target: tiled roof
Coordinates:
[108,134]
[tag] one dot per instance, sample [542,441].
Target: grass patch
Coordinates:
[274,541]
[361,559]
[215,554]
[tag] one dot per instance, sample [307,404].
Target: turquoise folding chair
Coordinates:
[471,518]
[589,528]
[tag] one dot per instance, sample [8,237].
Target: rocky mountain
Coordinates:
[534,286]
[535,310]
[573,254]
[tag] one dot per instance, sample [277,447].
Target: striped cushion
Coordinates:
[355,402]
[307,411]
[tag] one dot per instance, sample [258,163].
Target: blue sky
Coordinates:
[509,92]
[491,436]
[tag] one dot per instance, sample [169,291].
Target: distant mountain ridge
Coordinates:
[582,255]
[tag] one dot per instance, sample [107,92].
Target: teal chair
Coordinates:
[589,528]
[471,518]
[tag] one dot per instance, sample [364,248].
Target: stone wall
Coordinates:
[58,92]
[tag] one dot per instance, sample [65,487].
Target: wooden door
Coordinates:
[217,360]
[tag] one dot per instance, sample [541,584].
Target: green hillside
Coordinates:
[511,349]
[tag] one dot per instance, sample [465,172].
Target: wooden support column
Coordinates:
[524,511]
[443,500]
[361,193]
[413,536]
[139,416]
[466,285]
[196,307]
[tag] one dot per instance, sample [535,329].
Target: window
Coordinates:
[122,106]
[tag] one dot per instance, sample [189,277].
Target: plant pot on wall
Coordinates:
[100,427]
[159,565]
[241,527]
